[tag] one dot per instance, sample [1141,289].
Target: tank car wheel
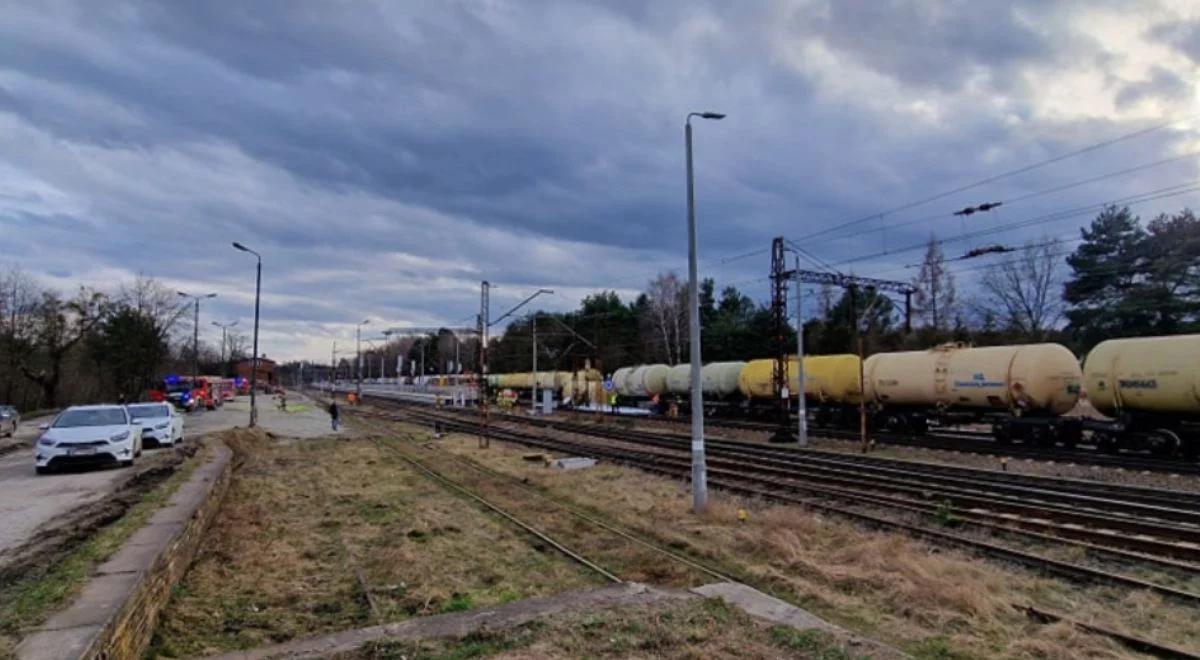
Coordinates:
[1105,442]
[1167,442]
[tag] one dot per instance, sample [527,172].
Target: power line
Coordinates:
[1161,193]
[998,177]
[1038,193]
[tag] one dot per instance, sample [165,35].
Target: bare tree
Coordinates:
[934,300]
[19,299]
[59,325]
[666,298]
[1024,289]
[154,301]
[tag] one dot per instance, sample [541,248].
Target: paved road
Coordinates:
[27,501]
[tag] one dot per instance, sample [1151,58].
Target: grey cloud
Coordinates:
[391,156]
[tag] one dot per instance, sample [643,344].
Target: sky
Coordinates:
[385,157]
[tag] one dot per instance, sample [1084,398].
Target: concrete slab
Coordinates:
[134,557]
[461,624]
[574,463]
[100,599]
[67,643]
[769,608]
[756,603]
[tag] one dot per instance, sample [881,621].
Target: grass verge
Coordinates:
[928,601]
[328,534]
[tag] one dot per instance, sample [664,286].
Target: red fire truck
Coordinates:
[186,395]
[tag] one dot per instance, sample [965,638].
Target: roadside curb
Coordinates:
[115,614]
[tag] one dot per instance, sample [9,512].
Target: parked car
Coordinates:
[161,423]
[88,435]
[10,419]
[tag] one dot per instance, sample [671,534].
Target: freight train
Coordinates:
[1146,391]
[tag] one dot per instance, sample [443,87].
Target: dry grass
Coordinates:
[929,602]
[677,629]
[304,519]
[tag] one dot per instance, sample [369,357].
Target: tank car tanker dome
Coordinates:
[1145,374]
[1042,378]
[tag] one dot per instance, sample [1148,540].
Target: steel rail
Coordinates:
[747,486]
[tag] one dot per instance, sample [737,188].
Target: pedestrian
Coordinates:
[121,399]
[333,414]
[283,401]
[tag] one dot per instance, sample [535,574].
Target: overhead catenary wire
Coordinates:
[1031,195]
[998,177]
[1161,193]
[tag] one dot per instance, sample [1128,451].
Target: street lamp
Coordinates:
[358,357]
[224,342]
[254,358]
[699,476]
[196,335]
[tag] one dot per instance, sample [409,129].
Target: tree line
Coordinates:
[92,345]
[1123,279]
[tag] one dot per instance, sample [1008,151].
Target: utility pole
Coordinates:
[484,303]
[801,394]
[699,471]
[779,321]
[358,358]
[534,391]
[196,337]
[225,343]
[332,366]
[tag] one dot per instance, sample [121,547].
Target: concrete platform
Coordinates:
[133,581]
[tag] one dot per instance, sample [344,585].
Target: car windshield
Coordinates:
[179,386]
[149,410]
[92,417]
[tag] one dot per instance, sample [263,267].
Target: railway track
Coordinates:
[964,441]
[748,479]
[448,422]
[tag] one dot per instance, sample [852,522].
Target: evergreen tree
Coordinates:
[1169,289]
[1105,270]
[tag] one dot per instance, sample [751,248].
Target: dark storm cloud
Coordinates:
[941,45]
[388,155]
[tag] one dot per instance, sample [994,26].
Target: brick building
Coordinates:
[266,371]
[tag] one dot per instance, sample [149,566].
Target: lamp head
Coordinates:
[241,247]
[712,115]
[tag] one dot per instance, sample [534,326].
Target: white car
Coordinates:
[161,424]
[88,435]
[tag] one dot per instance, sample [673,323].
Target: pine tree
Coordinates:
[1104,283]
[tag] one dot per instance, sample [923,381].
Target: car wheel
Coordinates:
[41,470]
[128,463]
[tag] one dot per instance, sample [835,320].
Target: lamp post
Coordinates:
[196,334]
[358,357]
[699,475]
[254,357]
[224,342]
